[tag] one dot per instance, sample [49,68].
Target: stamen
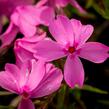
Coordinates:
[71,49]
[25,95]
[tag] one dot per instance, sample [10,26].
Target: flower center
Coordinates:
[25,95]
[71,49]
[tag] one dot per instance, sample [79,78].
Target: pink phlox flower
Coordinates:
[32,80]
[8,37]
[71,37]
[8,6]
[59,4]
[23,48]
[26,18]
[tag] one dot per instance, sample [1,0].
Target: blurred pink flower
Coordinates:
[26,18]
[23,48]
[7,37]
[60,3]
[8,6]
[71,37]
[32,80]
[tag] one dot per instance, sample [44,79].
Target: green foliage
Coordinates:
[6,107]
[94,89]
[3,93]
[100,6]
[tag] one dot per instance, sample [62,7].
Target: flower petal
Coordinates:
[46,15]
[35,15]
[41,3]
[61,3]
[50,83]
[61,29]
[74,72]
[36,74]
[28,17]
[1,25]
[77,6]
[8,37]
[27,71]
[10,6]
[81,32]
[26,28]
[28,43]
[94,51]
[49,50]
[26,104]
[9,82]
[22,55]
[14,70]
[23,48]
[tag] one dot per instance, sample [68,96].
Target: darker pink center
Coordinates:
[71,50]
[25,95]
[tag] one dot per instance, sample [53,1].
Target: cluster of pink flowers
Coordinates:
[33,76]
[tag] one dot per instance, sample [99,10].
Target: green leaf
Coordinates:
[3,93]
[93,89]
[89,3]
[102,9]
[6,107]
[61,97]
[15,101]
[98,9]
[76,92]
[104,102]
[106,4]
[71,11]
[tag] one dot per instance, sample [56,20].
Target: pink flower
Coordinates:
[32,80]
[26,18]
[8,6]
[23,48]
[71,37]
[60,3]
[8,37]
